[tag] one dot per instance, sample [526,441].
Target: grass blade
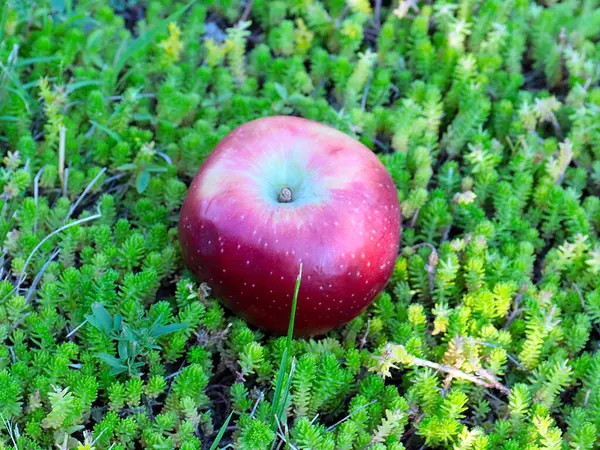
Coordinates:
[148,37]
[294,304]
[221,433]
[36,60]
[19,89]
[277,406]
[18,93]
[3,14]
[286,390]
[36,83]
[108,131]
[81,84]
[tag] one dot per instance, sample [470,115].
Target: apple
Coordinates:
[282,191]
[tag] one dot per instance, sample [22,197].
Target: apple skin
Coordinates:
[343,224]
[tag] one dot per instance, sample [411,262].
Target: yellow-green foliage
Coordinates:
[486,115]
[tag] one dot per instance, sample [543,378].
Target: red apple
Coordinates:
[280,191]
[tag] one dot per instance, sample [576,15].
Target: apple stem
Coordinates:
[285,196]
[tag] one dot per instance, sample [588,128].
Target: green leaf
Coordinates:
[118,370]
[118,320]
[19,93]
[112,361]
[171,328]
[108,131]
[3,14]
[19,88]
[277,407]
[156,169]
[127,333]
[147,37]
[123,352]
[281,90]
[221,432]
[157,322]
[35,60]
[81,84]
[142,181]
[58,5]
[128,166]
[100,318]
[224,97]
[143,117]
[36,83]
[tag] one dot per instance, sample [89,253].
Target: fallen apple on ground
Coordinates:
[278,192]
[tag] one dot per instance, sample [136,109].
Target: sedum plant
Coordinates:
[487,116]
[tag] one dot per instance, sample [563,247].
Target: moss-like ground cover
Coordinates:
[485,112]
